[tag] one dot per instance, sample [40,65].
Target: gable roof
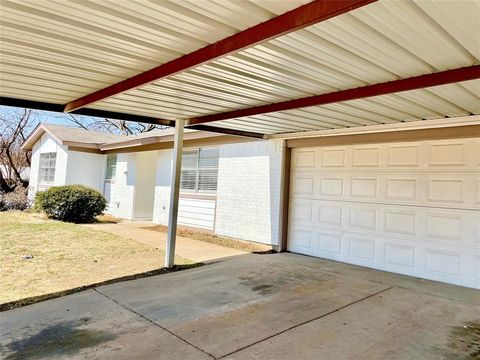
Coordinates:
[67,135]
[88,139]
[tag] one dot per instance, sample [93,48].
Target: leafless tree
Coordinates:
[121,127]
[14,130]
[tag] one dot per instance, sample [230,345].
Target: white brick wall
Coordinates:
[248,196]
[47,144]
[124,186]
[162,187]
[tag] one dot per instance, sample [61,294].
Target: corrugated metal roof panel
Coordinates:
[384,109]
[57,51]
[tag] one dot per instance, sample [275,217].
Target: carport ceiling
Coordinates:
[274,66]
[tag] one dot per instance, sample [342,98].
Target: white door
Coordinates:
[409,208]
[109,193]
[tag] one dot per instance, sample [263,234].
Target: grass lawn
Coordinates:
[65,256]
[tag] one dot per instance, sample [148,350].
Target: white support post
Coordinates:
[174,193]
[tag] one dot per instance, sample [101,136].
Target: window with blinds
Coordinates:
[47,168]
[200,170]
[111,166]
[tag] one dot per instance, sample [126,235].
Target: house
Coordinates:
[134,174]
[347,130]
[403,201]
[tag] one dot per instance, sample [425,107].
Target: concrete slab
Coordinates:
[397,324]
[281,306]
[195,250]
[86,326]
[233,304]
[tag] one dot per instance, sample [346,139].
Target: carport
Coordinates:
[324,76]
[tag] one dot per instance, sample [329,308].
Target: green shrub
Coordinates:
[72,203]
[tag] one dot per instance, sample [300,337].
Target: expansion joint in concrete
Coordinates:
[308,321]
[154,323]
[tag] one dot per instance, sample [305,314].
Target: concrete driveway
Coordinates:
[280,306]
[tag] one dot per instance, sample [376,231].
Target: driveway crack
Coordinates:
[154,323]
[308,321]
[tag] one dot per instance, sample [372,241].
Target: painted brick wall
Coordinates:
[124,186]
[162,187]
[47,144]
[86,169]
[248,196]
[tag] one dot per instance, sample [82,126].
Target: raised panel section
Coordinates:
[363,249]
[330,214]
[329,242]
[333,157]
[400,222]
[443,262]
[399,255]
[303,186]
[364,187]
[363,218]
[302,212]
[331,186]
[302,239]
[305,158]
[446,190]
[366,156]
[445,227]
[447,154]
[401,189]
[403,155]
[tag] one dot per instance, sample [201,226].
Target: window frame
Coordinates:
[42,168]
[114,172]
[197,168]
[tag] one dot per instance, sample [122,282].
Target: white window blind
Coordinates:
[47,168]
[200,170]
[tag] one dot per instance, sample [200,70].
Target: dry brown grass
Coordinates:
[242,245]
[66,256]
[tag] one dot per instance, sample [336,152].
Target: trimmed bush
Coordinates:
[15,200]
[72,203]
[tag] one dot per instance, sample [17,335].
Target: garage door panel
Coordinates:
[411,208]
[449,227]
[439,189]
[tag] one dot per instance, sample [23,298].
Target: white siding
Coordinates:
[411,208]
[248,196]
[198,213]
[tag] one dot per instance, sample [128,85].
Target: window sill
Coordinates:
[202,196]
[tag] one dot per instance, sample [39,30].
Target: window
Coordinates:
[111,167]
[47,167]
[200,170]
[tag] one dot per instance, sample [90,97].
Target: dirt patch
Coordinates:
[247,246]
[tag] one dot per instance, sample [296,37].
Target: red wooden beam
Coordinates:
[413,83]
[303,16]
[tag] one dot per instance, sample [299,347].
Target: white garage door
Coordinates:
[410,208]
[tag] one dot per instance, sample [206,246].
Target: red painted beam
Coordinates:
[303,16]
[413,83]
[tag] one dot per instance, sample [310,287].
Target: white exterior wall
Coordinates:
[145,185]
[126,171]
[85,169]
[248,196]
[162,187]
[47,144]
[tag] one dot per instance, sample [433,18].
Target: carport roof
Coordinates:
[261,67]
